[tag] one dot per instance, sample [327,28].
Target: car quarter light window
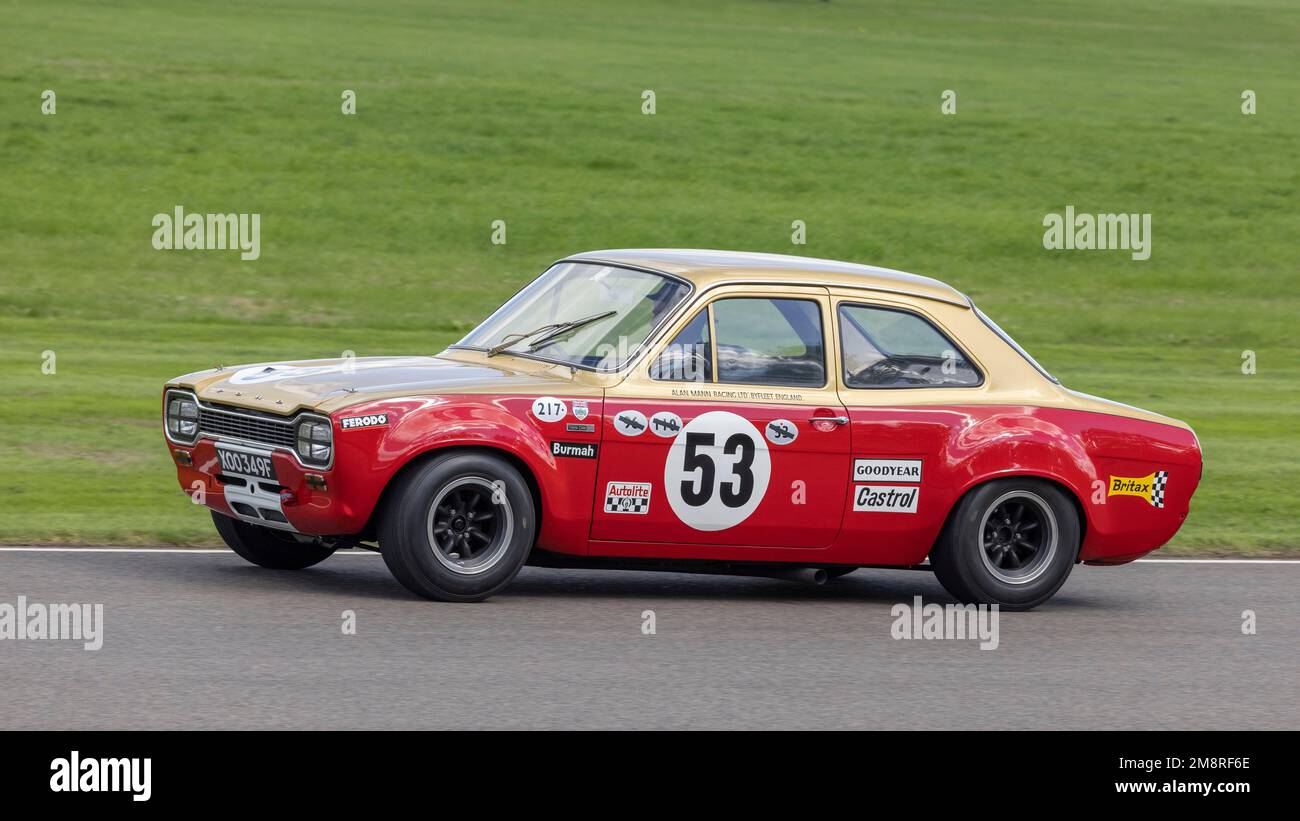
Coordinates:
[763,341]
[888,348]
[689,357]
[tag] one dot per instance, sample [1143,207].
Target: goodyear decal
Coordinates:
[1150,487]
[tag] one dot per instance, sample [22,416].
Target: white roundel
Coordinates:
[630,422]
[665,423]
[276,372]
[717,471]
[549,409]
[781,432]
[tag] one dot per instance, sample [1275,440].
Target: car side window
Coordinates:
[762,341]
[688,358]
[888,348]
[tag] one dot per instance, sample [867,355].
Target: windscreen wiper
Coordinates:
[552,331]
[568,328]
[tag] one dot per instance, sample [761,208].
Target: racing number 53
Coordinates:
[732,494]
[717,471]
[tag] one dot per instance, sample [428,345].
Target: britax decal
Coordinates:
[368,421]
[1150,487]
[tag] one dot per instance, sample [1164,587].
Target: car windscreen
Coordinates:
[588,315]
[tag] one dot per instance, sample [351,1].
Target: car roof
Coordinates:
[706,268]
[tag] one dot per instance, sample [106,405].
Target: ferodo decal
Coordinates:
[887,470]
[574,450]
[781,431]
[886,498]
[666,423]
[717,471]
[1150,487]
[630,422]
[627,497]
[369,421]
[549,409]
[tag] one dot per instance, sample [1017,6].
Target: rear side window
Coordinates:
[887,348]
[764,341]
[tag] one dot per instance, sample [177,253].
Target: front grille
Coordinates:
[246,426]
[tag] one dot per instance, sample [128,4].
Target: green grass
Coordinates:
[375,228]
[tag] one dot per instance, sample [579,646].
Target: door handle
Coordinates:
[837,420]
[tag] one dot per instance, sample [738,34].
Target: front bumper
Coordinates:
[299,499]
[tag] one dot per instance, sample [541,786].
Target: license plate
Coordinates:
[248,464]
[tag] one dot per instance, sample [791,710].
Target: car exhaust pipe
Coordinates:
[804,575]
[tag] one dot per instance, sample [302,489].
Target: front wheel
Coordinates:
[1010,542]
[268,547]
[458,528]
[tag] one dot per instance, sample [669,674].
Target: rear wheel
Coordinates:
[458,528]
[1011,542]
[268,547]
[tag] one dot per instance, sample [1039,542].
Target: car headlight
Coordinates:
[315,441]
[182,417]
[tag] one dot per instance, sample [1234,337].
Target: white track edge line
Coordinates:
[373,553]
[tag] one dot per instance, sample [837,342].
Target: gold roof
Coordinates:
[705,268]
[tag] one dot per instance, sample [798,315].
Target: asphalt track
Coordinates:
[203,640]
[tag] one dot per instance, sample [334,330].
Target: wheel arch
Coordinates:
[417,460]
[1056,481]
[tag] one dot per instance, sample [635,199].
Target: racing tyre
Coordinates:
[268,547]
[1011,542]
[458,528]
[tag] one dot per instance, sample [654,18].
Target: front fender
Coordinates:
[368,458]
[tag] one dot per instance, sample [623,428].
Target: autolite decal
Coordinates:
[885,498]
[627,497]
[350,422]
[1150,487]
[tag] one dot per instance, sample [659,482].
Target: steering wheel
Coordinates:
[887,371]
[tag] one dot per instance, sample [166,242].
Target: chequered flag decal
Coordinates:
[1158,488]
[625,504]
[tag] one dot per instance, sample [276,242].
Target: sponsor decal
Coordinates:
[580,409]
[549,409]
[716,472]
[888,470]
[885,498]
[368,421]
[781,432]
[627,497]
[574,450]
[630,422]
[1150,487]
[665,423]
[580,427]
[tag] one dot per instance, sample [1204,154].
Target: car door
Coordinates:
[908,385]
[732,432]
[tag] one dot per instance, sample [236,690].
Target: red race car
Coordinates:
[700,411]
